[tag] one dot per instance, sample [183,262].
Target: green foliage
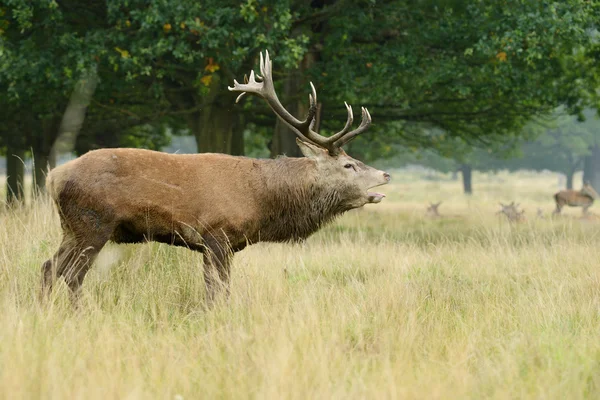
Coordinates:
[442,74]
[191,41]
[146,137]
[561,146]
[478,71]
[257,141]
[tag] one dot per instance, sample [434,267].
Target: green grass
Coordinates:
[384,303]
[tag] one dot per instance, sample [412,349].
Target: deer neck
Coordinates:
[296,203]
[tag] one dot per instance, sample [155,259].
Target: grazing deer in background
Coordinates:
[432,210]
[511,212]
[212,203]
[576,198]
[540,214]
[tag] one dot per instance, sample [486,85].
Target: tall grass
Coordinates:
[384,303]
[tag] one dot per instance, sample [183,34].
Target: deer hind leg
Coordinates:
[217,263]
[72,261]
[559,206]
[557,210]
[49,268]
[585,209]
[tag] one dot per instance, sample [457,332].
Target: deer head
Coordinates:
[432,210]
[334,167]
[540,213]
[511,212]
[588,190]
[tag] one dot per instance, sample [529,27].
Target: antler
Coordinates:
[262,86]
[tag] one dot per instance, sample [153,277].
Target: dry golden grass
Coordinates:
[384,303]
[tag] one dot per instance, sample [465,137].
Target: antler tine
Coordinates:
[312,111]
[262,86]
[250,85]
[364,125]
[313,99]
[349,120]
[237,99]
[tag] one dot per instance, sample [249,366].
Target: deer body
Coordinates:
[148,195]
[213,203]
[575,198]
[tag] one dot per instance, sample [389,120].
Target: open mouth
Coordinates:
[375,197]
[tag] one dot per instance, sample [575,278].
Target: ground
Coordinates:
[384,303]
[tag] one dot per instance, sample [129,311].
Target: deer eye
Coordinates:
[348,166]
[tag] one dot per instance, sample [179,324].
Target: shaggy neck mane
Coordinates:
[295,204]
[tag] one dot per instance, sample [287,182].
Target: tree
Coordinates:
[52,55]
[478,72]
[191,52]
[474,71]
[40,61]
[563,145]
[430,71]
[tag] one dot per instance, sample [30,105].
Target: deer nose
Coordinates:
[387,176]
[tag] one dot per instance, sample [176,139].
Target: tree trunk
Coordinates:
[467,174]
[214,131]
[570,175]
[284,140]
[591,167]
[294,99]
[216,127]
[41,166]
[587,167]
[15,171]
[42,150]
[73,118]
[570,180]
[237,141]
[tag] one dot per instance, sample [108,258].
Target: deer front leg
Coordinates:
[217,261]
[585,209]
[558,208]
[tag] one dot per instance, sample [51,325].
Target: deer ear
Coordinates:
[310,150]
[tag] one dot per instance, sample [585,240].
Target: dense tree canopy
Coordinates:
[431,72]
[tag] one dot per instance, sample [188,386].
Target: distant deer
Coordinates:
[432,210]
[212,203]
[511,212]
[576,198]
[540,214]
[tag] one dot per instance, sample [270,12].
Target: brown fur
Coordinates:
[432,210]
[213,203]
[575,198]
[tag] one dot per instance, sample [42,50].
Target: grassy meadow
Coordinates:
[384,303]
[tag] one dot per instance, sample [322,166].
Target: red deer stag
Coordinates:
[576,198]
[212,203]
